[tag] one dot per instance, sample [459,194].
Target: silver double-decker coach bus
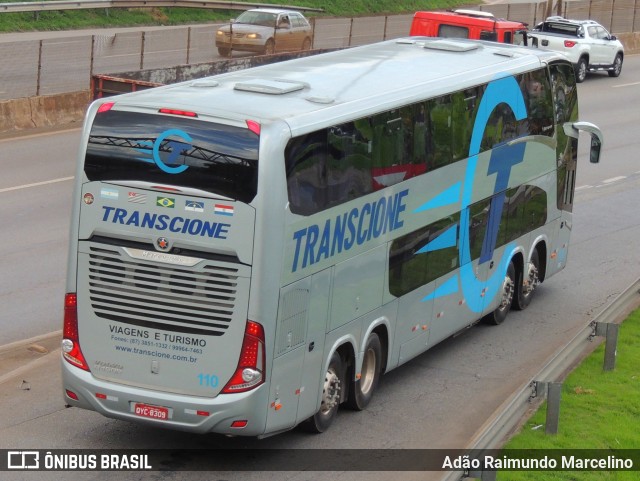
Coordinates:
[252,251]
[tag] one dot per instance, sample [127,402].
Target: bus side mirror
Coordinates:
[573,130]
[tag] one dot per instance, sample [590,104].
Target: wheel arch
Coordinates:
[346,348]
[381,327]
[540,244]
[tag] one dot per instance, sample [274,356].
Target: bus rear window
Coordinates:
[185,152]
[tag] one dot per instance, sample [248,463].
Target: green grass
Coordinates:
[120,17]
[598,410]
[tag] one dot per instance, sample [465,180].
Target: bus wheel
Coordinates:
[508,291]
[530,280]
[361,391]
[331,390]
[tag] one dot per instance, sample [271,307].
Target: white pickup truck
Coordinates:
[586,43]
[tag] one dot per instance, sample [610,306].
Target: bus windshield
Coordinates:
[216,158]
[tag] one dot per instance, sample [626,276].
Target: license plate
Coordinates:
[153,412]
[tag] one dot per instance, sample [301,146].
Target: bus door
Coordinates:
[565,102]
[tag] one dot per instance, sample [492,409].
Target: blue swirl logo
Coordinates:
[476,291]
[174,147]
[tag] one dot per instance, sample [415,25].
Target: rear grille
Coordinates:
[195,300]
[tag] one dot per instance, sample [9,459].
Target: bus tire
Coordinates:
[331,391]
[361,391]
[508,291]
[528,282]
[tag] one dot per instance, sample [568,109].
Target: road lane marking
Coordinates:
[36,184]
[582,187]
[626,85]
[614,179]
[12,136]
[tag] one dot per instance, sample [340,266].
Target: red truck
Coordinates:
[472,24]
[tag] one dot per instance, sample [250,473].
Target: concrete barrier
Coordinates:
[68,109]
[44,111]
[631,42]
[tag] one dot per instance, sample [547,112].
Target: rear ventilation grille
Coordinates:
[196,300]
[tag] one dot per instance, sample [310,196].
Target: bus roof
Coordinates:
[326,89]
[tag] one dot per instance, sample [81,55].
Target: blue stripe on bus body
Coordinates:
[447,197]
[448,238]
[449,287]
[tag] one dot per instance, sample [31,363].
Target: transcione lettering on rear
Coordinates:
[177,224]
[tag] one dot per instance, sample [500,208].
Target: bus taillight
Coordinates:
[183,113]
[254,127]
[105,107]
[70,339]
[250,371]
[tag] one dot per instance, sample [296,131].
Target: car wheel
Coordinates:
[224,52]
[270,47]
[581,70]
[617,67]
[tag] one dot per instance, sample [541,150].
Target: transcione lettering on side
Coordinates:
[315,243]
[177,224]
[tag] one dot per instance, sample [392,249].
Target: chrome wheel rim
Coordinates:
[507,294]
[330,391]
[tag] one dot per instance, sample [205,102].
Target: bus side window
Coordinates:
[422,148]
[348,164]
[409,268]
[400,146]
[307,173]
[440,119]
[536,90]
[463,112]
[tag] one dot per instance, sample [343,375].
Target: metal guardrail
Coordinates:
[92,4]
[510,414]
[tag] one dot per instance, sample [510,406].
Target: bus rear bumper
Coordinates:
[241,414]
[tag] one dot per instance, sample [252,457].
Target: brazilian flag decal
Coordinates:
[166,202]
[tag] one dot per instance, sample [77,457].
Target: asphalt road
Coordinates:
[438,400]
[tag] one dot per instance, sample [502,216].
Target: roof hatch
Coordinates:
[273,87]
[451,46]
